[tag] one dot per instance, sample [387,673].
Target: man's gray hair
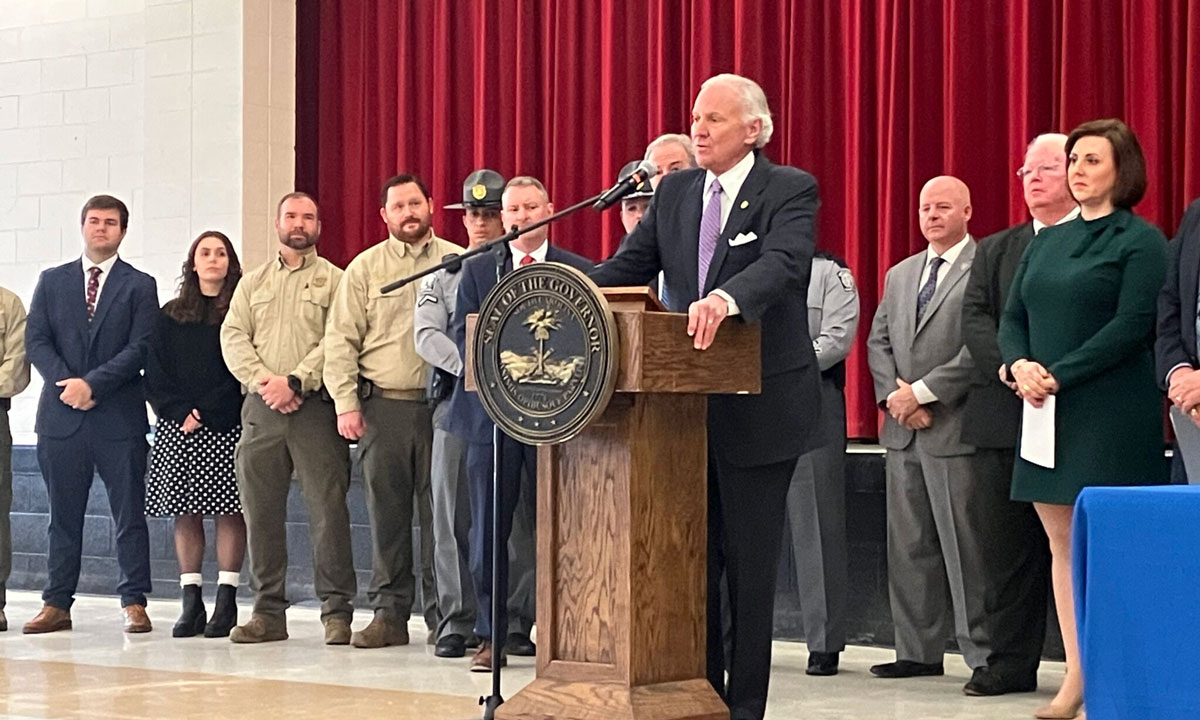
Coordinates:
[526,181]
[1060,138]
[754,102]
[667,139]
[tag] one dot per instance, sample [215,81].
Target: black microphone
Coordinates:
[626,185]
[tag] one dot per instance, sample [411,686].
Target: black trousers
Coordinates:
[746,512]
[1017,554]
[515,457]
[68,465]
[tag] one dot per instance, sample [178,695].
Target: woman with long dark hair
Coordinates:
[198,404]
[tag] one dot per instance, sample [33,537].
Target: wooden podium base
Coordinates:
[558,700]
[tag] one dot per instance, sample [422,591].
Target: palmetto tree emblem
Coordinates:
[540,322]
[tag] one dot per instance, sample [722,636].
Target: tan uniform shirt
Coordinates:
[276,322]
[371,334]
[14,366]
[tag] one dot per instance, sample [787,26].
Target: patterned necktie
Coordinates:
[929,288]
[527,260]
[710,230]
[93,288]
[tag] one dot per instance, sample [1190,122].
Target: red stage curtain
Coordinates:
[872,97]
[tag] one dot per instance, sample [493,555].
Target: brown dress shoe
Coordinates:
[136,620]
[260,629]
[482,660]
[381,632]
[337,631]
[50,619]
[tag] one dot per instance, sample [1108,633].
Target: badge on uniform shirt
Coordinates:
[847,279]
[478,191]
[319,281]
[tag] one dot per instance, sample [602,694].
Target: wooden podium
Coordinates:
[622,517]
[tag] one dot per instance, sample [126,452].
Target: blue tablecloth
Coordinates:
[1137,578]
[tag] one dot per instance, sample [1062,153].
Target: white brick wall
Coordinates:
[149,100]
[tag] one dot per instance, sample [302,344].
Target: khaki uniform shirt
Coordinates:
[14,366]
[370,335]
[276,322]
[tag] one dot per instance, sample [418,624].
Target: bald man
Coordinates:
[922,371]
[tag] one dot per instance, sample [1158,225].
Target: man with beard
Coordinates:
[273,342]
[377,381]
[451,505]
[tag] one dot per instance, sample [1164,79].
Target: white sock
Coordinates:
[226,577]
[186,579]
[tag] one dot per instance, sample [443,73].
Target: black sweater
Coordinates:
[185,370]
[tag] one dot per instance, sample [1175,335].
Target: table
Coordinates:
[1136,554]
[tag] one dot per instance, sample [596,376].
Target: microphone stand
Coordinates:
[511,235]
[499,594]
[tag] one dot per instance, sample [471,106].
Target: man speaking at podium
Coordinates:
[735,237]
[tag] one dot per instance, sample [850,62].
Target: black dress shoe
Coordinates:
[986,682]
[822,663]
[519,644]
[906,668]
[451,646]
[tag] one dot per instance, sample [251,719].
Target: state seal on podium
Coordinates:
[545,352]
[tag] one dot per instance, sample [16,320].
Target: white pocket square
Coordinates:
[742,239]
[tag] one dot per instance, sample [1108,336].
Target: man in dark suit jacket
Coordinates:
[1015,549]
[1175,350]
[86,335]
[524,201]
[736,237]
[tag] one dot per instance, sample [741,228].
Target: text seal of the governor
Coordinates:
[545,353]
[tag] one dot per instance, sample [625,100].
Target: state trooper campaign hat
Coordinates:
[481,189]
[644,189]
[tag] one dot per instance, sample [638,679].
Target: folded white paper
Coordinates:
[1037,433]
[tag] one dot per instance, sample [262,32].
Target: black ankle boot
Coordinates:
[224,615]
[191,620]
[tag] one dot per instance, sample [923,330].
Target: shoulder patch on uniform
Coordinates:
[847,279]
[428,293]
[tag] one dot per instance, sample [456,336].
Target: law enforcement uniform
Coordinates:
[371,365]
[643,190]
[816,500]
[451,503]
[276,326]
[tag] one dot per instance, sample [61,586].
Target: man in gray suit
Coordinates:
[922,371]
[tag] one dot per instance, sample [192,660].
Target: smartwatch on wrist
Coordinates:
[295,385]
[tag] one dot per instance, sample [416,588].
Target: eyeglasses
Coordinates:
[1039,170]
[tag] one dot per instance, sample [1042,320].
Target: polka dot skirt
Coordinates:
[191,474]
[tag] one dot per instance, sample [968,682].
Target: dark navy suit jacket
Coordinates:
[767,276]
[1176,341]
[467,417]
[109,352]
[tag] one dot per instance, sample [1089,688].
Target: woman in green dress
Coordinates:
[1079,325]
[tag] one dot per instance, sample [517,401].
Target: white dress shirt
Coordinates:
[539,255]
[1038,225]
[105,270]
[731,184]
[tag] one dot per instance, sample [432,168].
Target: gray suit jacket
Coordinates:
[932,351]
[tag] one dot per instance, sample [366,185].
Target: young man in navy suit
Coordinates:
[86,334]
[524,202]
[736,237]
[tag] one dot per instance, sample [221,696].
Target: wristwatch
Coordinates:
[295,384]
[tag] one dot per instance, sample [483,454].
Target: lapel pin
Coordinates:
[745,204]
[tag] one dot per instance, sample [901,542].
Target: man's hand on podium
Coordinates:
[704,317]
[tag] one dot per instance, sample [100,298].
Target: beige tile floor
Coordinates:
[97,672]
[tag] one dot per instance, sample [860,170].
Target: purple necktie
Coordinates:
[710,230]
